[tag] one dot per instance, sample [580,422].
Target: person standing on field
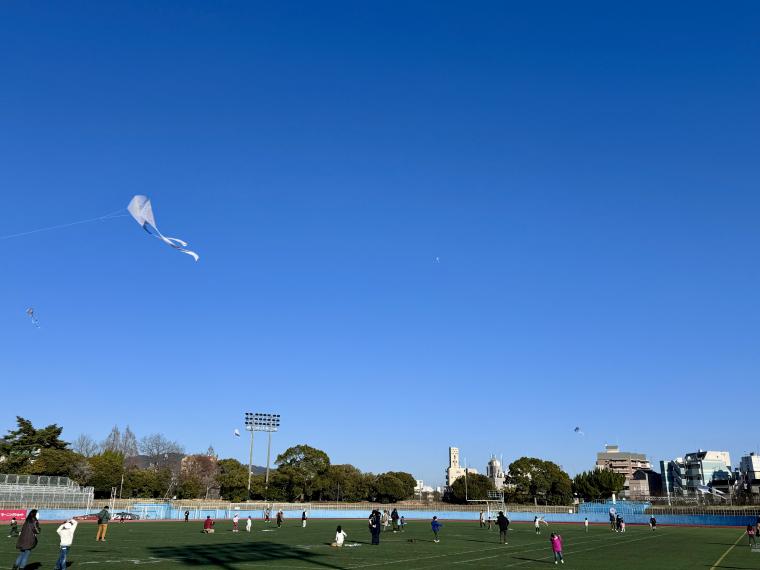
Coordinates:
[394,520]
[436,527]
[751,535]
[304,517]
[280,516]
[187,516]
[66,532]
[482,519]
[556,542]
[235,521]
[103,517]
[248,524]
[503,524]
[585,524]
[374,526]
[27,540]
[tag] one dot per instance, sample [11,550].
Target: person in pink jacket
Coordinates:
[556,542]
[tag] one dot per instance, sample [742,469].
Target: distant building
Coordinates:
[707,468]
[749,473]
[495,473]
[673,474]
[684,476]
[624,462]
[455,471]
[644,484]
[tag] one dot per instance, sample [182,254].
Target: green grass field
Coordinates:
[463,545]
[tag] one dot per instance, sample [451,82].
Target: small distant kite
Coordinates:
[142,212]
[33,317]
[236,433]
[437,259]
[578,431]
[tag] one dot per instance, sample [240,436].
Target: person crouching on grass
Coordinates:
[556,542]
[14,528]
[340,538]
[208,526]
[436,526]
[66,532]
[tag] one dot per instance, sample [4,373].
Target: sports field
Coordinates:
[463,545]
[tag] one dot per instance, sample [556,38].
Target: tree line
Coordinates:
[156,467]
[532,480]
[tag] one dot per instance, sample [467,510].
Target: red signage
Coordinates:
[8,514]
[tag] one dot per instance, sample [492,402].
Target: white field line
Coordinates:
[730,548]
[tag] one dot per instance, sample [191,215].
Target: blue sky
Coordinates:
[587,174]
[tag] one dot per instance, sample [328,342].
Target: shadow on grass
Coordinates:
[526,559]
[226,555]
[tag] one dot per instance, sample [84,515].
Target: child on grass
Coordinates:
[556,542]
[340,538]
[436,526]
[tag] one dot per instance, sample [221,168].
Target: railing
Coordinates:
[43,480]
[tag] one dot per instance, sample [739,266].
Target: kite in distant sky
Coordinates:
[437,259]
[236,433]
[578,430]
[30,312]
[142,212]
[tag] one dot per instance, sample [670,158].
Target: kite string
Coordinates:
[115,214]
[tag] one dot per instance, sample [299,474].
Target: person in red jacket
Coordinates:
[208,526]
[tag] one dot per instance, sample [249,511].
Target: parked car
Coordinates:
[114,517]
[125,516]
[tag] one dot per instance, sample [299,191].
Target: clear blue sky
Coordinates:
[587,174]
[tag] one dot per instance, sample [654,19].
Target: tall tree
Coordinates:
[303,466]
[200,468]
[85,446]
[598,484]
[535,479]
[112,441]
[60,462]
[232,480]
[129,446]
[22,445]
[474,487]
[157,447]
[106,470]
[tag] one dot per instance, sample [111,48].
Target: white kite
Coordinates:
[142,212]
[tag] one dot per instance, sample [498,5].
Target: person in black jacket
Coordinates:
[27,540]
[503,523]
[374,526]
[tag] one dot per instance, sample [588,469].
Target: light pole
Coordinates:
[250,427]
[260,422]
[269,423]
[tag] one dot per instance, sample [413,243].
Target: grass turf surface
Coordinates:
[463,545]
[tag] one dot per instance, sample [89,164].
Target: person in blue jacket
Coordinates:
[436,526]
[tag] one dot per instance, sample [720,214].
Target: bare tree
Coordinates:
[113,441]
[85,445]
[157,447]
[129,443]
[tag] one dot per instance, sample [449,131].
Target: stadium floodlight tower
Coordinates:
[269,423]
[250,427]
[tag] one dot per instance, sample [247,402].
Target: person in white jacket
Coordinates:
[66,532]
[340,538]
